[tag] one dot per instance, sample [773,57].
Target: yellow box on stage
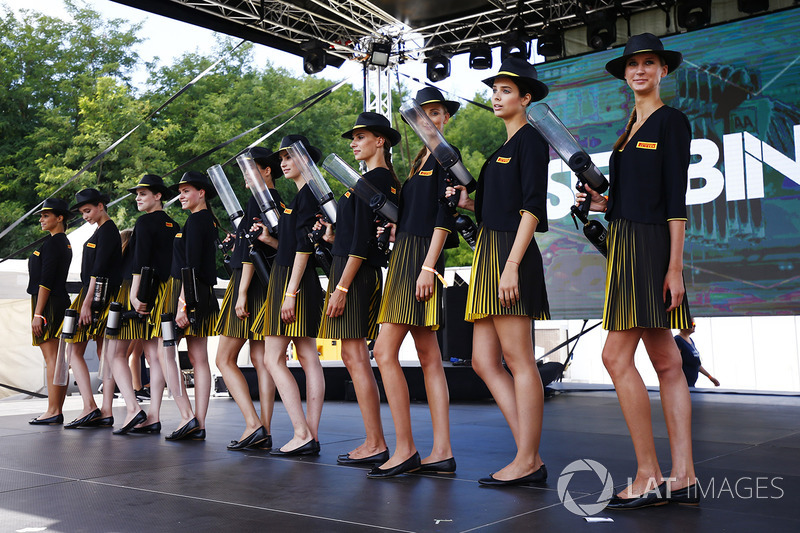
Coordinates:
[329,350]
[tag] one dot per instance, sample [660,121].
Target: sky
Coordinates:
[167,39]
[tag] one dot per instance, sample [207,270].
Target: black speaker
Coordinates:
[455,335]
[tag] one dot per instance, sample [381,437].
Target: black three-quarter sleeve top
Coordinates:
[151,244]
[102,256]
[649,177]
[49,265]
[195,247]
[241,249]
[513,180]
[355,221]
[294,226]
[420,209]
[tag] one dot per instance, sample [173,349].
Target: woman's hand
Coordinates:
[139,307]
[508,287]
[287,309]
[425,285]
[37,325]
[85,317]
[336,303]
[464,201]
[598,203]
[241,306]
[329,236]
[181,320]
[392,229]
[673,286]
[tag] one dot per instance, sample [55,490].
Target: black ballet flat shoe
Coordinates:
[265,444]
[200,434]
[444,467]
[104,422]
[183,432]
[651,498]
[84,421]
[686,496]
[140,417]
[409,465]
[253,439]
[50,421]
[149,429]
[309,448]
[540,476]
[378,458]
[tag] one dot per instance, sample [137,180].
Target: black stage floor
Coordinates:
[747,450]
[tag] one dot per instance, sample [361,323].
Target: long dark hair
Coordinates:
[416,164]
[627,131]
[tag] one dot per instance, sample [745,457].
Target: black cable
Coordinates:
[23,391]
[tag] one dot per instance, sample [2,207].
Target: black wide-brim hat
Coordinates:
[376,123]
[57,206]
[517,69]
[89,196]
[313,152]
[197,180]
[154,183]
[266,158]
[432,95]
[639,44]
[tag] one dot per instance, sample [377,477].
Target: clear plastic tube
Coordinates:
[312,175]
[259,190]
[366,191]
[226,195]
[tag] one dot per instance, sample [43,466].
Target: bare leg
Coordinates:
[675,401]
[266,387]
[198,355]
[118,359]
[430,357]
[81,374]
[275,357]
[55,393]
[356,358]
[387,353]
[618,354]
[134,353]
[152,352]
[315,381]
[182,401]
[109,385]
[227,353]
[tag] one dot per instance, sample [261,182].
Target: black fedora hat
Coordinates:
[197,180]
[89,196]
[266,158]
[432,95]
[57,206]
[517,68]
[375,123]
[314,152]
[638,44]
[154,183]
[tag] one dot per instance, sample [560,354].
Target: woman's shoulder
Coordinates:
[673,115]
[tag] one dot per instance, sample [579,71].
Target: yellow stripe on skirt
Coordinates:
[204,325]
[308,306]
[228,323]
[53,313]
[492,251]
[399,304]
[360,317]
[638,258]
[133,328]
[84,333]
[163,301]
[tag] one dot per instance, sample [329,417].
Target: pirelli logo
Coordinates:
[169,224]
[36,253]
[287,211]
[179,235]
[646,145]
[393,190]
[504,160]
[347,194]
[426,173]
[91,245]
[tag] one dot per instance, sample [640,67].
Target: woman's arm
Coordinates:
[427,279]
[673,282]
[290,298]
[244,285]
[508,288]
[339,297]
[37,324]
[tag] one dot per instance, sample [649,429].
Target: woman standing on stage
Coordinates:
[412,303]
[354,286]
[645,294]
[102,258]
[244,297]
[48,267]
[194,249]
[293,308]
[507,290]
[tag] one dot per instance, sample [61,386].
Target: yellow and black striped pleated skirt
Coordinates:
[89,331]
[205,319]
[230,325]
[491,253]
[53,313]
[308,306]
[399,304]
[638,258]
[161,305]
[363,299]
[133,328]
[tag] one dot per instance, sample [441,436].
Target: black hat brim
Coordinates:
[537,88]
[616,67]
[211,192]
[165,191]
[66,214]
[391,134]
[450,105]
[102,199]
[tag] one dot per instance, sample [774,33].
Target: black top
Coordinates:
[195,247]
[151,243]
[295,225]
[355,221]
[420,209]
[649,177]
[241,248]
[102,256]
[513,180]
[49,265]
[690,359]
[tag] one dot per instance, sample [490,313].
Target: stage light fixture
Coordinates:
[753,6]
[516,44]
[380,51]
[314,59]
[437,66]
[550,43]
[601,30]
[694,14]
[480,56]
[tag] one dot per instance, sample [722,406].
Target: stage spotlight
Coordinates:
[753,6]
[601,30]
[515,44]
[480,56]
[437,66]
[314,59]
[694,14]
[379,53]
[550,43]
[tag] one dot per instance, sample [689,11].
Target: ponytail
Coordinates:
[627,131]
[387,156]
[416,164]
